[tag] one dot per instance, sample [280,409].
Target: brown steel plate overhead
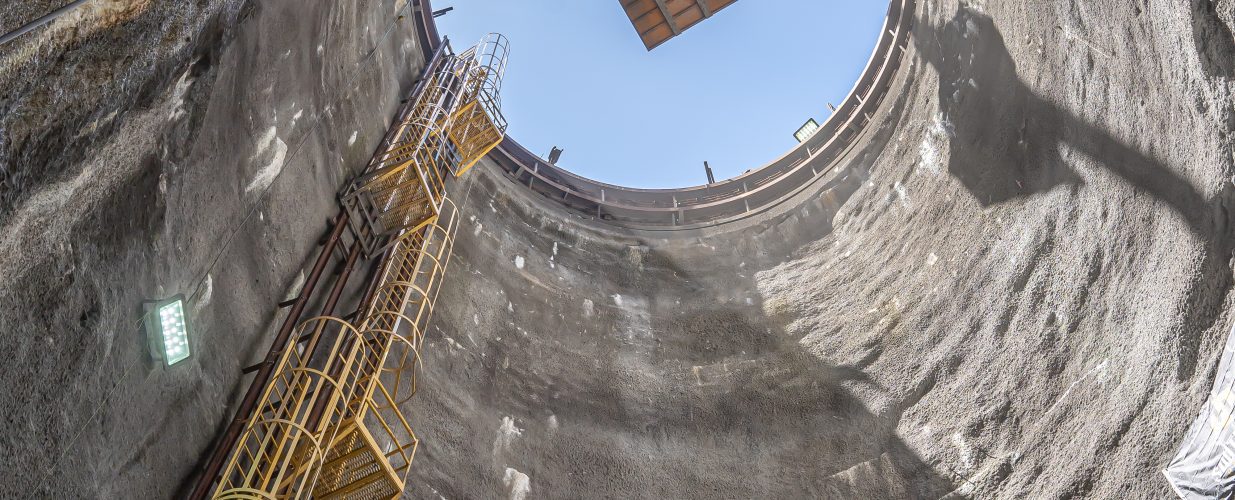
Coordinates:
[659,20]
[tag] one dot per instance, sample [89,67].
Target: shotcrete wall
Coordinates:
[155,148]
[1024,298]
[1016,287]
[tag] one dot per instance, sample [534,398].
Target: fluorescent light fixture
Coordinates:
[806,130]
[168,329]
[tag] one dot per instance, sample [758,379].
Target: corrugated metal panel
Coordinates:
[657,21]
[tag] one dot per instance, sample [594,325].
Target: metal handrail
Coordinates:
[752,191]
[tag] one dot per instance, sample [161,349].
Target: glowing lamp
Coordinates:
[808,129]
[168,329]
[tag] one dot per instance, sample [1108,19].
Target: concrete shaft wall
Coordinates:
[155,148]
[1017,287]
[1024,298]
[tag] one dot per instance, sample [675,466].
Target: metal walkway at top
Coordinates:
[727,200]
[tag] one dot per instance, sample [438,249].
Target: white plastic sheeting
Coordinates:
[1204,467]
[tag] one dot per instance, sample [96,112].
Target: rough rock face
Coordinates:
[1025,299]
[154,148]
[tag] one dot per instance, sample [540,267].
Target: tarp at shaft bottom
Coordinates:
[1204,467]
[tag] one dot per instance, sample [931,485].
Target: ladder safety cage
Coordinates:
[454,122]
[480,124]
[330,423]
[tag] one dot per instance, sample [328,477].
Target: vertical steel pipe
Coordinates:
[32,25]
[228,441]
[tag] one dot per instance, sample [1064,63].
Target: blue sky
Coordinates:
[731,90]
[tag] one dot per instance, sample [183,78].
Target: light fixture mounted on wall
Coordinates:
[167,330]
[806,130]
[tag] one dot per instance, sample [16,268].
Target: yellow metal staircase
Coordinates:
[330,422]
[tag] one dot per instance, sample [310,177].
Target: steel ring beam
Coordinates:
[732,199]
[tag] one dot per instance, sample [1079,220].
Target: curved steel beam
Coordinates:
[730,199]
